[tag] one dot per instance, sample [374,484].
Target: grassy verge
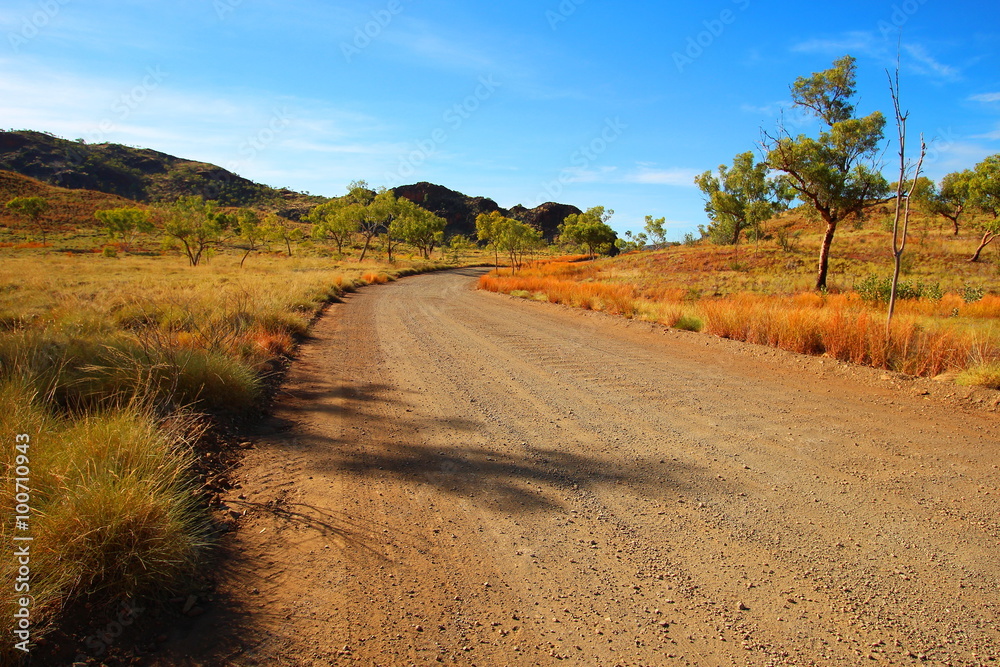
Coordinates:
[928,335]
[107,365]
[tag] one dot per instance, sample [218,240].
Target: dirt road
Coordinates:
[462,477]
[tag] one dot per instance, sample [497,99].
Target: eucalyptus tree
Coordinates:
[739,199]
[984,196]
[836,172]
[589,229]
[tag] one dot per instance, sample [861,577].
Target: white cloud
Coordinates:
[927,64]
[677,176]
[267,138]
[993,135]
[985,97]
[865,43]
[855,42]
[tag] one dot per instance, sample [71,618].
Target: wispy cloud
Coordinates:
[578,175]
[869,44]
[677,176]
[267,138]
[850,42]
[924,63]
[421,40]
[985,97]
[992,136]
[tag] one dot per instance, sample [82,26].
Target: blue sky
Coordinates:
[586,102]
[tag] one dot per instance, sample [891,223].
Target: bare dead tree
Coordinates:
[901,221]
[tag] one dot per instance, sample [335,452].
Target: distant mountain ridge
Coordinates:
[140,174]
[148,176]
[461,210]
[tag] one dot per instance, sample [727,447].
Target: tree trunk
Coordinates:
[824,254]
[368,240]
[987,239]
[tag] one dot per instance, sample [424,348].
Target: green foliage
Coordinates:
[337,220]
[739,199]
[512,237]
[458,246]
[590,230]
[276,228]
[196,224]
[984,375]
[833,173]
[689,323]
[949,201]
[875,289]
[417,226]
[984,186]
[972,293]
[249,229]
[655,229]
[984,196]
[33,210]
[125,223]
[632,242]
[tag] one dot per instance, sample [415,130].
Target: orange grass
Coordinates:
[847,329]
[924,339]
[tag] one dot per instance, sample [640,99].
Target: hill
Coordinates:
[140,174]
[461,210]
[68,208]
[148,176]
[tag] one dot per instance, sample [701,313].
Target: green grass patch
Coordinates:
[983,375]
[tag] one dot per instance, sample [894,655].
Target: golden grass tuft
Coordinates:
[100,361]
[982,375]
[927,336]
[112,507]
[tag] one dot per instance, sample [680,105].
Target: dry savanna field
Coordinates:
[117,360]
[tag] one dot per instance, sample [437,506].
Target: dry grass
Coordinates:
[102,362]
[766,298]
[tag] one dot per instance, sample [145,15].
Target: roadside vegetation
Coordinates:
[931,310]
[127,335]
[947,317]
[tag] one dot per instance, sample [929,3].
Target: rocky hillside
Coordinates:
[68,208]
[140,174]
[461,210]
[148,176]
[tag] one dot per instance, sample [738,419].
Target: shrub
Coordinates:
[972,293]
[878,290]
[113,513]
[982,375]
[688,323]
